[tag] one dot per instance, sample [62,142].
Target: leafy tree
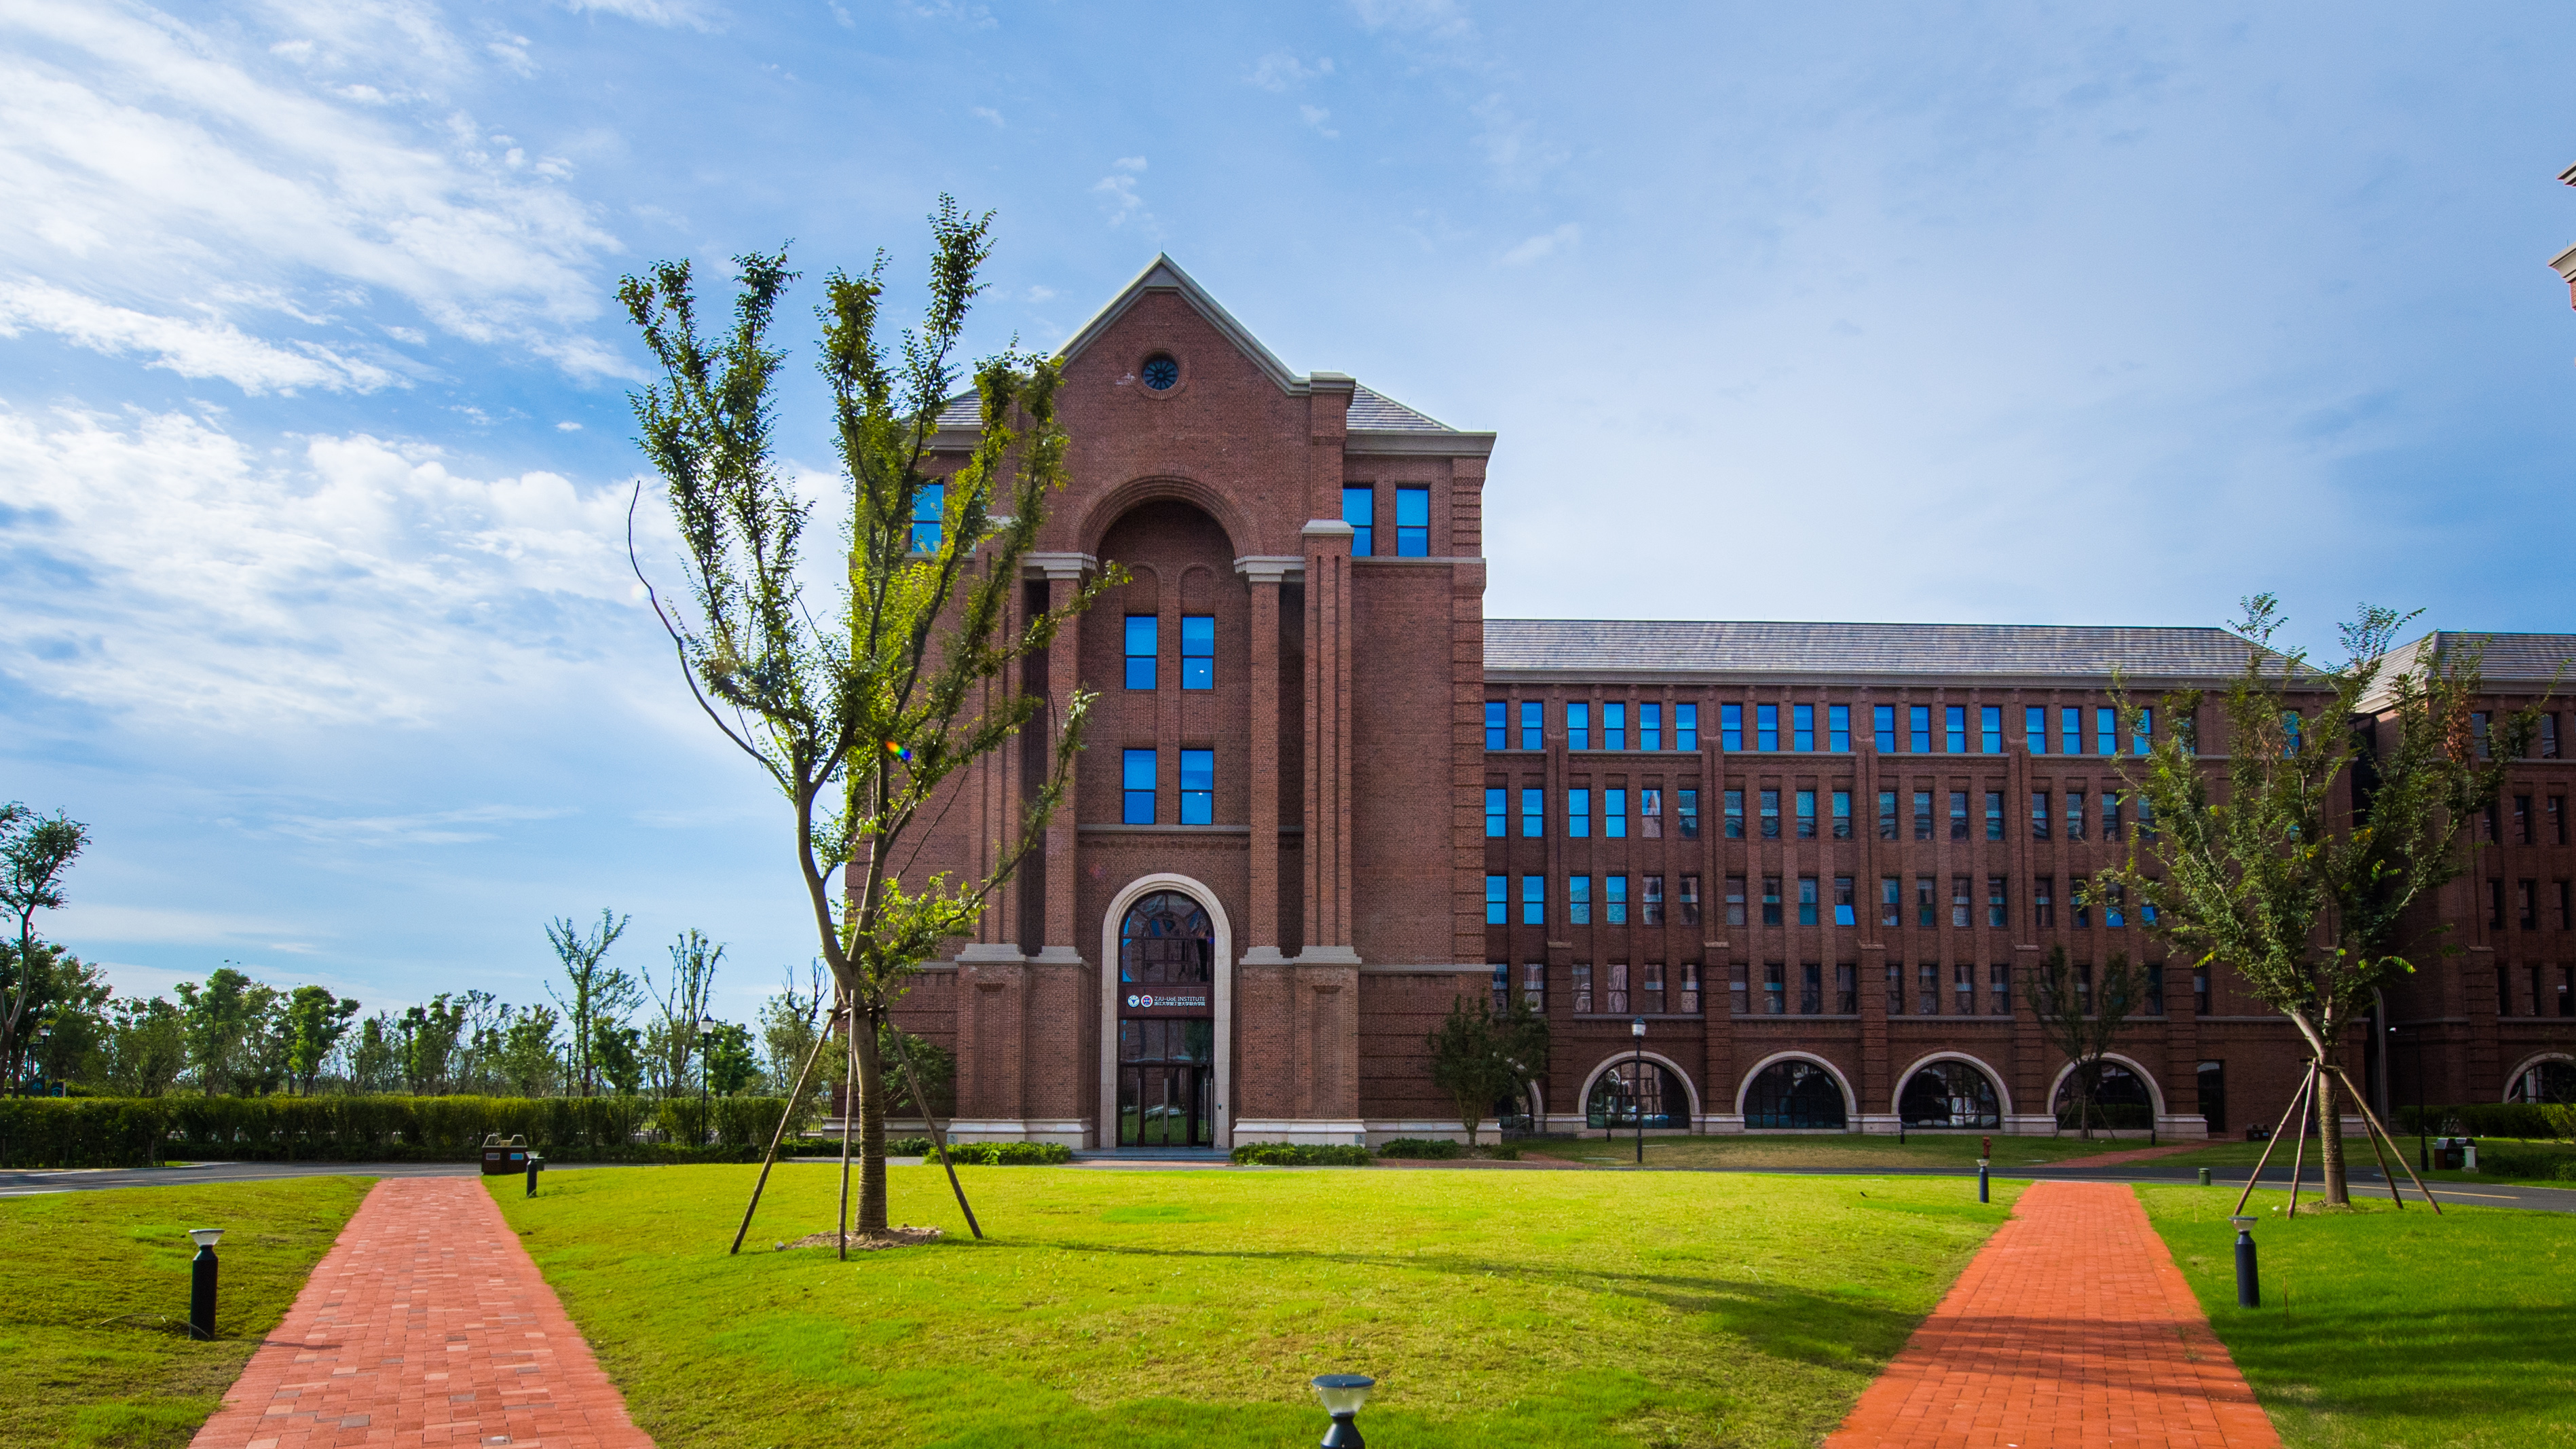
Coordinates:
[1480,1056]
[527,1059]
[35,851]
[147,1047]
[600,992]
[791,1024]
[375,1057]
[860,715]
[2305,901]
[66,1011]
[428,1044]
[672,1042]
[618,1054]
[2083,1017]
[230,1026]
[315,1022]
[730,1063]
[936,1064]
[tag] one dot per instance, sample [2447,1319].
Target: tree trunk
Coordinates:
[869,1093]
[2330,1142]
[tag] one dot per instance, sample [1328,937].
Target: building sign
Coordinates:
[1154,1001]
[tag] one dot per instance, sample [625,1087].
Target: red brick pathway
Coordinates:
[2072,1327]
[426,1324]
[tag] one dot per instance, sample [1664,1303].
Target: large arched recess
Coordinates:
[1118,502]
[1222,1127]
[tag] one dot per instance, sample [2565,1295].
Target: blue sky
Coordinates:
[314,448]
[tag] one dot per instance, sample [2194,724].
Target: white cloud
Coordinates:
[158,564]
[650,12]
[156,163]
[567,426]
[1119,190]
[1041,293]
[438,827]
[190,349]
[1316,116]
[987,113]
[1545,244]
[1281,71]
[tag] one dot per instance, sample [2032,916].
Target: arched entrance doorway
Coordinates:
[2120,1100]
[1797,1095]
[1949,1093]
[1166,1014]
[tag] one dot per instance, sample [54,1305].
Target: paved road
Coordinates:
[23,1182]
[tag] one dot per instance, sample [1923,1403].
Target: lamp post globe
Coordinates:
[706,1028]
[1342,1395]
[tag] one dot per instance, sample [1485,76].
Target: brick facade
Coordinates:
[1345,856]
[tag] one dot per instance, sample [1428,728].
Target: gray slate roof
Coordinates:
[2510,658]
[1377,412]
[1847,650]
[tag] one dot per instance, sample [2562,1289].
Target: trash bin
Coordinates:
[501,1159]
[2449,1154]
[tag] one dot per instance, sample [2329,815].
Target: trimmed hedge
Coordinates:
[2531,1121]
[133,1132]
[2541,1165]
[983,1154]
[1426,1148]
[1300,1154]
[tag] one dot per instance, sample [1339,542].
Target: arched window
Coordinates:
[1633,1087]
[1795,1093]
[2545,1082]
[1166,938]
[2120,1099]
[1950,1094]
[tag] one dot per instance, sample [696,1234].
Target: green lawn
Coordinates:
[94,1302]
[2387,1329]
[1189,1308]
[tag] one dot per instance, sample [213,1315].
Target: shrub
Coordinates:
[127,1132]
[898,1146]
[2531,1121]
[1434,1149]
[1009,1154]
[1300,1154]
[82,1131]
[2537,1164]
[1504,1154]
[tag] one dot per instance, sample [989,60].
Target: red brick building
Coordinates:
[1324,796]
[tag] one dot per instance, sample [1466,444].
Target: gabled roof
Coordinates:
[1375,412]
[2534,660]
[1162,274]
[1858,650]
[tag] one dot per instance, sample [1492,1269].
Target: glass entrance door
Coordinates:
[1166,1024]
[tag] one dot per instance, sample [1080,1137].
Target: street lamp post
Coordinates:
[1637,1031]
[706,1028]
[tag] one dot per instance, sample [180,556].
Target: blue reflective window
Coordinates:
[1766,727]
[1614,900]
[1882,720]
[1533,725]
[1650,726]
[1198,787]
[1578,900]
[1136,777]
[1730,726]
[1990,724]
[1918,724]
[1143,635]
[2034,729]
[1578,726]
[1578,814]
[1838,728]
[1807,900]
[1498,901]
[2142,737]
[1359,510]
[1497,810]
[1802,726]
[1497,729]
[1686,727]
[1533,813]
[1533,900]
[1614,814]
[929,511]
[1412,522]
[2106,730]
[1198,651]
[1614,725]
[2070,731]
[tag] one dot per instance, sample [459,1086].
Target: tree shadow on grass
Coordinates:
[2388,1363]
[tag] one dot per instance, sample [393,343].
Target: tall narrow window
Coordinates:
[1413,522]
[1766,726]
[1614,814]
[1690,900]
[1990,725]
[2549,735]
[1811,990]
[1498,900]
[2142,734]
[2070,731]
[2034,729]
[1954,725]
[2155,1002]
[1882,720]
[1730,727]
[1770,814]
[1690,989]
[1614,900]
[1650,814]
[1775,993]
[1842,815]
[1497,733]
[2477,732]
[1891,901]
[1735,815]
[2075,815]
[1136,773]
[1650,988]
[1846,905]
[1963,993]
[1578,814]
[1994,814]
[1806,815]
[1918,728]
[1614,724]
[1735,900]
[1143,635]
[1582,987]
[1923,907]
[2043,902]
[1802,726]
[2039,814]
[1771,900]
[1198,787]
[2522,819]
[2111,815]
[1578,725]
[1533,900]
[2291,725]
[1686,727]
[1497,810]
[1959,902]
[1198,651]
[2106,730]
[1923,815]
[2556,806]
[1958,815]
[929,517]
[1652,902]
[1808,905]
[1887,815]
[1998,913]
[2528,897]
[1999,991]
[1578,900]
[1359,510]
[1502,988]
[1838,728]
[1895,989]
[1927,990]
[1533,813]
[1687,803]
[1533,725]
[1650,726]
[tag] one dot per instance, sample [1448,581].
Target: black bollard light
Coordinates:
[2204,1177]
[201,1283]
[534,1162]
[2249,1289]
[1342,1395]
[1981,1179]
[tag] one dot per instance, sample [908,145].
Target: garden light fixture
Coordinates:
[2249,1289]
[201,1282]
[1342,1395]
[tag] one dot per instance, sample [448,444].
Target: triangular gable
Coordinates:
[1165,275]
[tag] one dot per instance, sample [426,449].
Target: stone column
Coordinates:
[1063,573]
[1328,739]
[1261,928]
